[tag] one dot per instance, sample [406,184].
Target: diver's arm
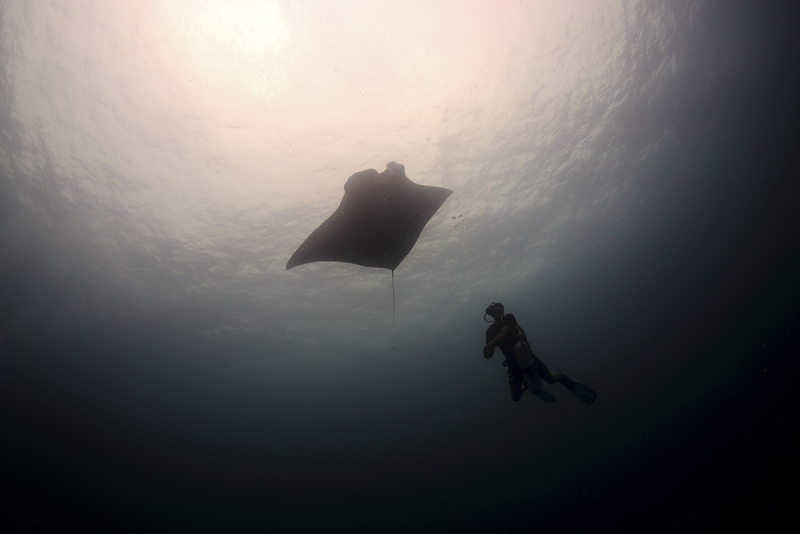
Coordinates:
[504,334]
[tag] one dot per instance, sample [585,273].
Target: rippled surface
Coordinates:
[186,150]
[162,160]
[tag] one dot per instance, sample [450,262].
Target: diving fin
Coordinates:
[534,384]
[583,393]
[544,395]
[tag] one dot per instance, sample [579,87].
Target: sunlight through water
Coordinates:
[193,145]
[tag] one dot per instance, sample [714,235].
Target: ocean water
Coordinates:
[625,182]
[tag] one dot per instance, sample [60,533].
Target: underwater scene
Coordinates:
[398,267]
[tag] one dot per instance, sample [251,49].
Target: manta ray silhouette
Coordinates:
[379,220]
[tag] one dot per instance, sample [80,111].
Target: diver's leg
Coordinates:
[515,383]
[531,379]
[582,392]
[515,386]
[544,372]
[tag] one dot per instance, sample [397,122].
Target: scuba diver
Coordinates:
[525,370]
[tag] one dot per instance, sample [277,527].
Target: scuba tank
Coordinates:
[523,354]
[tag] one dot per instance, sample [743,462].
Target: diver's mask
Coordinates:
[492,308]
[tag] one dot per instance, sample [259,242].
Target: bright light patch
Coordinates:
[232,46]
[211,136]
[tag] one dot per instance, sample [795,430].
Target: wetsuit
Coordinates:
[507,348]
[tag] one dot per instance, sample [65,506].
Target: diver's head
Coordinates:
[494,310]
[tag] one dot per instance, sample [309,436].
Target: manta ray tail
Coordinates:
[392,297]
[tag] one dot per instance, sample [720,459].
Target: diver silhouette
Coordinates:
[525,370]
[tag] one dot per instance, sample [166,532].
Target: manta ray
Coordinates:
[378,222]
